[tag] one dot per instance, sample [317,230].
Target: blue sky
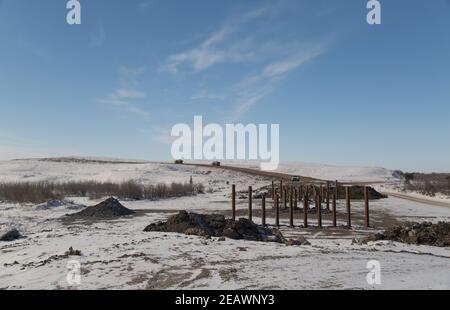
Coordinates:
[342,91]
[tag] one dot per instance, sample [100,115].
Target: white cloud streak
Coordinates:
[212,50]
[124,98]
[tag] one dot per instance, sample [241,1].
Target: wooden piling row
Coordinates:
[292,195]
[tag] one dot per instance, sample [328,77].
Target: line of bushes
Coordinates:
[427,183]
[39,192]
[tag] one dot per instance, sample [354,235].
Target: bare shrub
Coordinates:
[428,183]
[39,192]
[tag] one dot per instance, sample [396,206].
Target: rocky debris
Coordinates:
[11,235]
[297,241]
[57,203]
[109,208]
[216,225]
[73,252]
[424,233]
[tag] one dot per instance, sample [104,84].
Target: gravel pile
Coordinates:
[216,225]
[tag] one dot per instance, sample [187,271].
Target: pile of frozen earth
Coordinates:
[11,235]
[109,208]
[424,233]
[216,225]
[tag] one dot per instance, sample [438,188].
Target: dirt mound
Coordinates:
[11,235]
[109,208]
[216,225]
[417,233]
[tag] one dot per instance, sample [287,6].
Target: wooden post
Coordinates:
[305,209]
[277,210]
[273,190]
[347,203]
[285,199]
[366,205]
[319,211]
[250,201]
[328,195]
[264,210]
[336,189]
[334,211]
[291,197]
[296,198]
[291,209]
[233,202]
[281,189]
[321,194]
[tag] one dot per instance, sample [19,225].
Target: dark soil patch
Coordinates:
[216,225]
[109,208]
[417,233]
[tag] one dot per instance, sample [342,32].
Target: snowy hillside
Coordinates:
[326,172]
[115,170]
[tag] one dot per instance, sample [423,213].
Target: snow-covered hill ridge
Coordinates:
[117,170]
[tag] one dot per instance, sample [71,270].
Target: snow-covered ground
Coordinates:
[117,254]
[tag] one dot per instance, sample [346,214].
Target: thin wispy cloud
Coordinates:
[285,66]
[98,37]
[121,94]
[217,48]
[162,135]
[276,57]
[127,96]
[13,146]
[206,95]
[145,5]
[253,89]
